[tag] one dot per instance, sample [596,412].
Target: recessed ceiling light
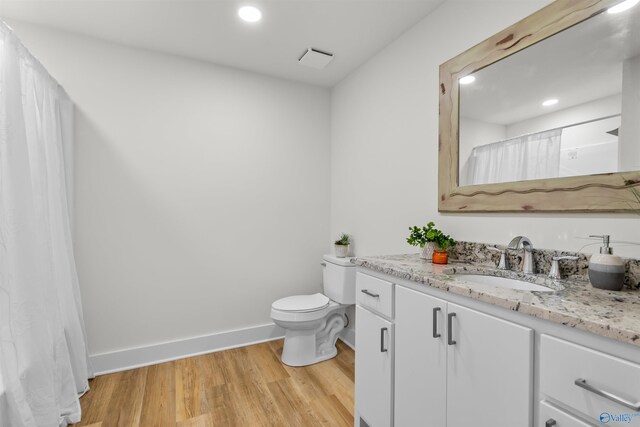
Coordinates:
[249,14]
[467,80]
[550,102]
[621,7]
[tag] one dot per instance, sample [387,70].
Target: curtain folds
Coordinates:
[527,157]
[43,358]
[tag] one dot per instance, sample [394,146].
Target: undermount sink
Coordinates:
[503,282]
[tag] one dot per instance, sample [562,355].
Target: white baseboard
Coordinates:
[123,360]
[348,336]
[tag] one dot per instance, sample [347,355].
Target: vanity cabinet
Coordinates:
[375,353]
[459,359]
[457,367]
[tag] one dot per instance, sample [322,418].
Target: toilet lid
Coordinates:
[301,303]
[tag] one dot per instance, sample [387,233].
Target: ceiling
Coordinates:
[578,65]
[210,30]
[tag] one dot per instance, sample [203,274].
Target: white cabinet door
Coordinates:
[374,365]
[489,371]
[420,360]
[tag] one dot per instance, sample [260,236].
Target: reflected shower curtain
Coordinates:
[43,359]
[532,156]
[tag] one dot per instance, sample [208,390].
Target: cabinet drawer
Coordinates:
[374,293]
[550,416]
[563,363]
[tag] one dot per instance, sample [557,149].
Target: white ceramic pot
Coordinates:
[342,251]
[427,251]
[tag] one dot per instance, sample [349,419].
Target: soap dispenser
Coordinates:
[606,271]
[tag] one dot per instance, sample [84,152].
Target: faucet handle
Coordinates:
[554,272]
[503,264]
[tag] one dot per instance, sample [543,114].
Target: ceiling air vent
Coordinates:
[315,58]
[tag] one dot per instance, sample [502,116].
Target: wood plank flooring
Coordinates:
[246,386]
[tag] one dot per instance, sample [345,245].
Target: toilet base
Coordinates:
[295,361]
[306,347]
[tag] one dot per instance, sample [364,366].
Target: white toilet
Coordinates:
[313,322]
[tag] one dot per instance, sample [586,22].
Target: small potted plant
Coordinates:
[441,256]
[342,245]
[431,239]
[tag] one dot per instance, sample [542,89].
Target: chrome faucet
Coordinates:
[527,261]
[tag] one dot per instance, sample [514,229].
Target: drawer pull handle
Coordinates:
[450,339]
[550,423]
[371,294]
[582,383]
[435,322]
[382,349]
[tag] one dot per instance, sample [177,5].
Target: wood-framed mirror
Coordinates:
[501,150]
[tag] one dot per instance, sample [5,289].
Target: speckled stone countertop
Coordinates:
[577,304]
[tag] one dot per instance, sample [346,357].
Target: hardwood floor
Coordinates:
[246,386]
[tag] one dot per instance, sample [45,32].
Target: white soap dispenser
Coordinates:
[606,271]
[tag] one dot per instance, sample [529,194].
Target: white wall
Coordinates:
[592,110]
[202,191]
[385,145]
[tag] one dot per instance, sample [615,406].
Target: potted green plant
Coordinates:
[429,238]
[342,245]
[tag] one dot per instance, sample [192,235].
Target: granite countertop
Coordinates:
[577,304]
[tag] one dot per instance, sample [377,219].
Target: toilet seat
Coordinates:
[301,303]
[302,308]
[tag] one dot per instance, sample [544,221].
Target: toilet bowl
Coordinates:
[312,323]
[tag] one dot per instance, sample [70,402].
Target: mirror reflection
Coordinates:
[566,106]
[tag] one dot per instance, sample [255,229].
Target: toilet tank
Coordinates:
[339,279]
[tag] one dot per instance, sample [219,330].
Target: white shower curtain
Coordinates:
[43,359]
[533,156]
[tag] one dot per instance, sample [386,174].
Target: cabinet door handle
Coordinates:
[382,349]
[371,294]
[582,383]
[550,423]
[435,322]
[450,317]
